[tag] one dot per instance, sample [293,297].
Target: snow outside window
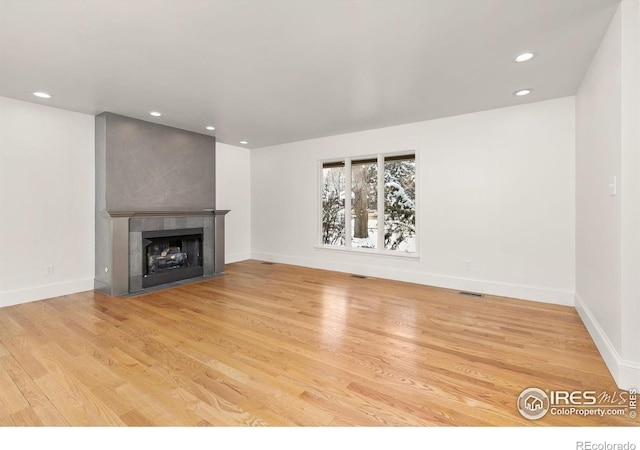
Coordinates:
[381,203]
[364,203]
[333,226]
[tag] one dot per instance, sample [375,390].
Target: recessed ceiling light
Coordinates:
[155,113]
[244,142]
[210,128]
[524,57]
[42,94]
[522,92]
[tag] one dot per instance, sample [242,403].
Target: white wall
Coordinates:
[46,201]
[598,160]
[496,187]
[233,191]
[608,226]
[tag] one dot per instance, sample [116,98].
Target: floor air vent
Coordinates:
[358,276]
[471,294]
[268,263]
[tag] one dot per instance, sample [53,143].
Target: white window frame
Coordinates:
[380,250]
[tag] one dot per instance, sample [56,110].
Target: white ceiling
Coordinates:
[275,71]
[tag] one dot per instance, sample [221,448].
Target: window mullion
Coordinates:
[380,202]
[347,203]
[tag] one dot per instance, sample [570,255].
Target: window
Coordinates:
[400,203]
[364,203]
[381,202]
[333,227]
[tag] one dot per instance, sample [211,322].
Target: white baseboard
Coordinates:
[533,293]
[18,296]
[625,373]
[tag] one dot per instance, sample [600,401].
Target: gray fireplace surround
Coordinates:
[123,275]
[151,177]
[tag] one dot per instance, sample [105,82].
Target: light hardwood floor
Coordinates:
[279,345]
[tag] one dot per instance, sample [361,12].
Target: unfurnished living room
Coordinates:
[338,213]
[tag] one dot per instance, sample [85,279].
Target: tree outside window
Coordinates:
[364,203]
[400,203]
[382,212]
[333,183]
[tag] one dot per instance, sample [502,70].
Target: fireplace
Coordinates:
[171,255]
[167,247]
[158,181]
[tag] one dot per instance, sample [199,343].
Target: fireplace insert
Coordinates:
[171,255]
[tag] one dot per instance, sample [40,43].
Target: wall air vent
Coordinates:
[471,294]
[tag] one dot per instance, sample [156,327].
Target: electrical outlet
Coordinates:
[48,270]
[467,264]
[613,187]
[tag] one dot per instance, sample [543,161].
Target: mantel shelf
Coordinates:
[173,213]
